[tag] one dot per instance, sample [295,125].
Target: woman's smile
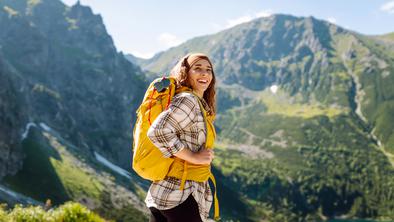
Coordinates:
[200,76]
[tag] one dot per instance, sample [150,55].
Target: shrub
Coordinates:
[69,212]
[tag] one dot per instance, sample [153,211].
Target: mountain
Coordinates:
[134,59]
[10,117]
[304,122]
[67,102]
[69,75]
[305,118]
[55,171]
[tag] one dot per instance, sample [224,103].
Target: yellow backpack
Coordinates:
[148,161]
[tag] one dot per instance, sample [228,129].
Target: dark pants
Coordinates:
[186,211]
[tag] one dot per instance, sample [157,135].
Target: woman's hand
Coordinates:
[202,157]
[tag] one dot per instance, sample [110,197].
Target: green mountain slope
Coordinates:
[54,169]
[59,66]
[304,125]
[305,131]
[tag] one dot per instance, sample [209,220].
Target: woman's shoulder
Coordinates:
[186,98]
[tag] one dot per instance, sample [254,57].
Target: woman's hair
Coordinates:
[180,73]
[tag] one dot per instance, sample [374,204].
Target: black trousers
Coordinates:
[185,212]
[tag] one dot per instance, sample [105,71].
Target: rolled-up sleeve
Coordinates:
[165,131]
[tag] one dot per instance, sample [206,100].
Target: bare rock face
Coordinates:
[60,67]
[11,123]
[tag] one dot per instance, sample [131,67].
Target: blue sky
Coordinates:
[146,27]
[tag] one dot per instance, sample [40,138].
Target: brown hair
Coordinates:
[180,73]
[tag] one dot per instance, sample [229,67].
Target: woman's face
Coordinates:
[200,76]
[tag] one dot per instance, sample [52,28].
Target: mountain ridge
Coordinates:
[60,67]
[329,104]
[303,116]
[58,59]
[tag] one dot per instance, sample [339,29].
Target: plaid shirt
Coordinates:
[180,126]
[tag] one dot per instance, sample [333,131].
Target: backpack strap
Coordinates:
[211,176]
[150,106]
[215,198]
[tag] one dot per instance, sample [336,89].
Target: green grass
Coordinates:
[389,36]
[331,183]
[382,49]
[54,171]
[343,42]
[378,102]
[69,212]
[38,174]
[50,167]
[384,125]
[224,162]
[282,104]
[76,181]
[324,156]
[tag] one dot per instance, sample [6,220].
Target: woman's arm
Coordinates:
[168,125]
[204,156]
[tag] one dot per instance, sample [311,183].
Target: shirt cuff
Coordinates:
[170,151]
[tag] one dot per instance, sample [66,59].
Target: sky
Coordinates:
[146,27]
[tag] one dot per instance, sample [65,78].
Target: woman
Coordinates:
[181,131]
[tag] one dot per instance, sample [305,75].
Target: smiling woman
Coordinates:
[185,132]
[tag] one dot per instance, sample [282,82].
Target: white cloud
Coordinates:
[332,20]
[164,41]
[388,7]
[144,55]
[264,13]
[237,21]
[169,40]
[248,18]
